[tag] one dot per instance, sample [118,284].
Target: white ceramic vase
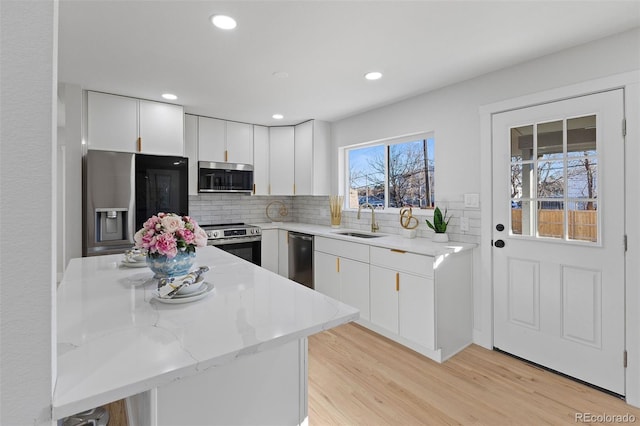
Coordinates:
[440,237]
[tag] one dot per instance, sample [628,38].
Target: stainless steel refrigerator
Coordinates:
[121,190]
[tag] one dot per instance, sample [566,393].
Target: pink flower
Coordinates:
[163,233]
[188,236]
[201,237]
[166,244]
[171,223]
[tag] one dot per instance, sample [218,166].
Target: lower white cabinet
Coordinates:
[403,304]
[283,253]
[269,250]
[422,302]
[343,279]
[341,271]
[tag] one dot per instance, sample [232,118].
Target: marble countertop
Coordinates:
[115,340]
[413,245]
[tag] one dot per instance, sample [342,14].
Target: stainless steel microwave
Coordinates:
[224,177]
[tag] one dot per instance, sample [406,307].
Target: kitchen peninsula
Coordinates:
[238,355]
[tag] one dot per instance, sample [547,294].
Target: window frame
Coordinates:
[345,178]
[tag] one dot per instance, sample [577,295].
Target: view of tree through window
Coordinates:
[392,174]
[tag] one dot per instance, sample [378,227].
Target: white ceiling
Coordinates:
[146,48]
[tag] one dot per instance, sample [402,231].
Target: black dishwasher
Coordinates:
[301,258]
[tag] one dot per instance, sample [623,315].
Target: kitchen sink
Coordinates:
[358,234]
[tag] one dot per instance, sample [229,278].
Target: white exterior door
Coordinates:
[558,235]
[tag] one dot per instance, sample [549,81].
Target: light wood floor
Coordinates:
[357,377]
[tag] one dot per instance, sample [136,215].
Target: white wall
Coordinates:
[28,74]
[454,115]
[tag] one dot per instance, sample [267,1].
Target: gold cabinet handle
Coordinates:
[294,189]
[337,264]
[398,251]
[226,156]
[397,281]
[139,144]
[254,189]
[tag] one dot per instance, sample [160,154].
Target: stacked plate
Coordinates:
[190,293]
[134,258]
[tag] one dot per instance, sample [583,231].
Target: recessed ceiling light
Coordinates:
[373,75]
[278,116]
[223,22]
[280,74]
[169,96]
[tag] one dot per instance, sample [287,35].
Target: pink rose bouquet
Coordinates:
[168,233]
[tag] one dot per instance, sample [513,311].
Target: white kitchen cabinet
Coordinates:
[422,302]
[161,128]
[403,304]
[239,142]
[225,141]
[281,160]
[120,123]
[312,155]
[260,160]
[283,253]
[326,277]
[211,139]
[341,271]
[269,250]
[191,150]
[112,122]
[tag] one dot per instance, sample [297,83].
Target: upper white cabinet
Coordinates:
[239,142]
[191,150]
[225,141]
[281,160]
[312,154]
[211,139]
[120,123]
[260,160]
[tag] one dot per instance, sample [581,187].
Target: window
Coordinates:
[554,179]
[394,173]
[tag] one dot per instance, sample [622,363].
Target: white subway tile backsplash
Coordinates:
[224,208]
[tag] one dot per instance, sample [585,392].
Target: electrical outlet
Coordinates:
[464,224]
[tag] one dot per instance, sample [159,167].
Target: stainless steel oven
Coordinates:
[244,241]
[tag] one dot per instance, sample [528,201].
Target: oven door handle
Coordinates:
[230,241]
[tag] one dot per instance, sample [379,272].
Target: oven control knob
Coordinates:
[257,230]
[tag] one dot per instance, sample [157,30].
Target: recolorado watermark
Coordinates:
[604,418]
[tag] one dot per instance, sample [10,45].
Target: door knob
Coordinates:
[499,227]
[499,243]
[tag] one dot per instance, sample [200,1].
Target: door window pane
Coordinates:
[581,136]
[582,177]
[551,219]
[583,220]
[522,143]
[560,158]
[522,218]
[551,179]
[549,140]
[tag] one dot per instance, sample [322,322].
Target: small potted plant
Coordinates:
[439,225]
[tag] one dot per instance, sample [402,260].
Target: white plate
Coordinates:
[188,297]
[193,288]
[133,264]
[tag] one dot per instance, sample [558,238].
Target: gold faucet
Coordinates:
[374,225]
